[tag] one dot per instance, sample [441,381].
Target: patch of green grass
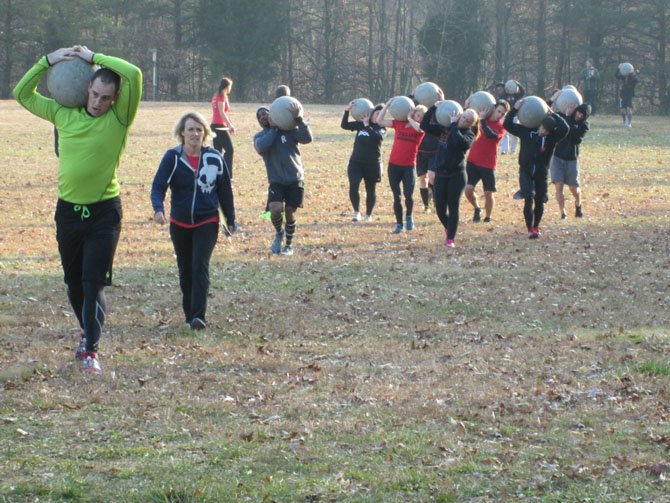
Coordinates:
[654,368]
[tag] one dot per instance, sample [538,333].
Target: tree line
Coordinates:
[331,51]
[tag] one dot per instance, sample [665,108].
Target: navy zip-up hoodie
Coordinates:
[195,197]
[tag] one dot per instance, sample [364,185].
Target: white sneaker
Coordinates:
[356,217]
[368,218]
[91,365]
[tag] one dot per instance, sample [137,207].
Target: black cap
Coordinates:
[584,108]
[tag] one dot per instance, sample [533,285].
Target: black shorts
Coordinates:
[87,236]
[486,175]
[626,101]
[289,193]
[422,161]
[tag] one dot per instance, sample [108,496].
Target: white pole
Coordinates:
[154,81]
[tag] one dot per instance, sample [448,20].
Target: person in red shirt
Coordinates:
[402,162]
[221,125]
[483,157]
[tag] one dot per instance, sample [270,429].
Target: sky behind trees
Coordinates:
[330,51]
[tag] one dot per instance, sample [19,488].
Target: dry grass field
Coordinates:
[368,366]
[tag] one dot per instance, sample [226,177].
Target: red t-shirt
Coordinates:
[484,151]
[405,144]
[216,115]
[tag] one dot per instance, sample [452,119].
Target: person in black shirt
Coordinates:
[626,94]
[537,146]
[365,162]
[564,167]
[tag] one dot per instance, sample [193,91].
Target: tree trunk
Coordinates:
[662,79]
[173,80]
[541,46]
[5,81]
[328,70]
[372,91]
[396,39]
[382,85]
[563,56]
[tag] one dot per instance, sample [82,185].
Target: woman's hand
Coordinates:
[431,177]
[348,107]
[159,217]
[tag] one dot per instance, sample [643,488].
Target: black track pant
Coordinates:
[447,193]
[194,248]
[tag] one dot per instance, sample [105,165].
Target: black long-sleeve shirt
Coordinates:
[368,142]
[454,143]
[628,83]
[535,149]
[568,147]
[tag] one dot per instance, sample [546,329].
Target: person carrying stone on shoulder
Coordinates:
[564,166]
[91,141]
[537,147]
[281,154]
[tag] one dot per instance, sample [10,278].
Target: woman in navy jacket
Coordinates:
[200,184]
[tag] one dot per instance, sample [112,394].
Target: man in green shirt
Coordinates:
[88,212]
[588,83]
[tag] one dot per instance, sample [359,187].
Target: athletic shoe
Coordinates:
[287,251]
[532,234]
[266,215]
[564,215]
[81,349]
[537,230]
[198,324]
[487,220]
[398,229]
[357,217]
[409,223]
[477,217]
[90,364]
[578,212]
[368,218]
[450,243]
[518,195]
[276,244]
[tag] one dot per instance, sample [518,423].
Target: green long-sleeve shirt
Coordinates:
[90,148]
